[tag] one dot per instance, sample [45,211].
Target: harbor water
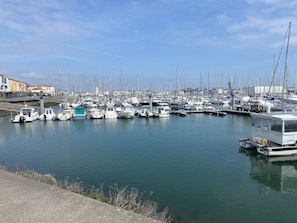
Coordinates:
[193,165]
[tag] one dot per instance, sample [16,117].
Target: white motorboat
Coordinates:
[127,111]
[65,115]
[135,101]
[87,102]
[162,111]
[65,104]
[48,114]
[95,113]
[110,112]
[145,112]
[26,114]
[273,134]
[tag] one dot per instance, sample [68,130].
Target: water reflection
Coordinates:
[64,124]
[162,121]
[126,123]
[276,173]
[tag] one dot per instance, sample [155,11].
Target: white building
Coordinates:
[3,83]
[43,88]
[263,90]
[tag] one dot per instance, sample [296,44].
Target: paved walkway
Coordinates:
[25,200]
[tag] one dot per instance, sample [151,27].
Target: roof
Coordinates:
[289,116]
[43,85]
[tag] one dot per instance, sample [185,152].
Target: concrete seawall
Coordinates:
[24,200]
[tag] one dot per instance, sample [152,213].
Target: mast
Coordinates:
[177,80]
[286,62]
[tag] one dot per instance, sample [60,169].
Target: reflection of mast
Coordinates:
[286,62]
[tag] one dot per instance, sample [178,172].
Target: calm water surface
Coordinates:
[193,165]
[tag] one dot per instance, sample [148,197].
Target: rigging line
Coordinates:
[277,62]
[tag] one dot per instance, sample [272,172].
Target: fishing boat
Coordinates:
[26,114]
[273,134]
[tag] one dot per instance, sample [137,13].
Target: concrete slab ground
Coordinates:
[24,200]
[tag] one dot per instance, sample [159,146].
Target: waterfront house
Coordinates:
[16,85]
[44,88]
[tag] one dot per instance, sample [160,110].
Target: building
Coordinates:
[263,90]
[16,85]
[44,89]
[3,83]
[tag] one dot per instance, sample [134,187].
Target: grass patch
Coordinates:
[128,199]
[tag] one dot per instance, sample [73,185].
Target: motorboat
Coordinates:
[95,113]
[26,114]
[145,112]
[127,111]
[163,111]
[273,134]
[48,114]
[65,104]
[110,112]
[65,115]
[79,113]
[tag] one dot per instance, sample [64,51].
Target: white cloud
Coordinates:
[34,75]
[264,21]
[47,19]
[223,18]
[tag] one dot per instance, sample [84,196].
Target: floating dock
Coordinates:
[185,112]
[212,112]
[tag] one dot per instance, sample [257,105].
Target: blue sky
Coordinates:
[139,44]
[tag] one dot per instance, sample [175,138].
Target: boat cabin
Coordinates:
[278,128]
[26,111]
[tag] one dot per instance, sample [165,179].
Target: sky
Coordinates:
[153,45]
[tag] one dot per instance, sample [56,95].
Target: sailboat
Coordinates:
[292,99]
[274,133]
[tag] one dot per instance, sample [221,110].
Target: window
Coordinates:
[266,122]
[291,126]
[276,126]
[256,122]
